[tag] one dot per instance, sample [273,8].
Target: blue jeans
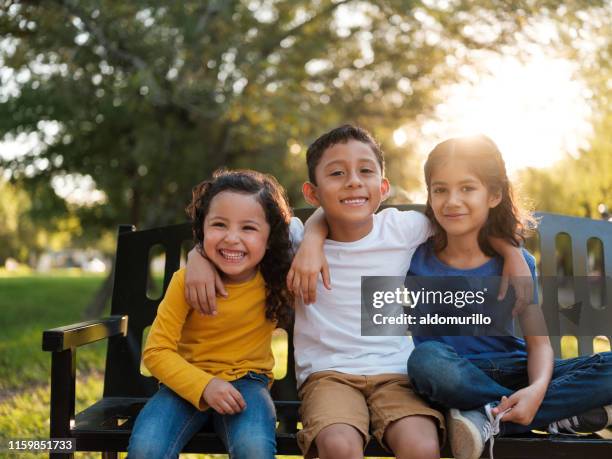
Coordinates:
[447,379]
[167,422]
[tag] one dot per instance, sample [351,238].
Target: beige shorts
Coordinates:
[330,397]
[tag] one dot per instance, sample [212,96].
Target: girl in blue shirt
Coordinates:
[493,384]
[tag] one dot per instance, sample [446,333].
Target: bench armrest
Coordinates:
[75,335]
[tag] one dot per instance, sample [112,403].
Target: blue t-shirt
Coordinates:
[426,263]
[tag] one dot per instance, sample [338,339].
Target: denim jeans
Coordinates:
[167,422]
[449,380]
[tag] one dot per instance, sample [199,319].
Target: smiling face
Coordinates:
[459,199]
[350,187]
[235,235]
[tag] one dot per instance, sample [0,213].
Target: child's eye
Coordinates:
[467,188]
[336,173]
[218,224]
[365,170]
[438,190]
[250,228]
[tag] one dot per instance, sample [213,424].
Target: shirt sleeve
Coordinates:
[414,227]
[161,355]
[296,232]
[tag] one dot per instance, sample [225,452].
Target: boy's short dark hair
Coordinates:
[341,134]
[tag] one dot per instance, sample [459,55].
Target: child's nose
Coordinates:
[353,180]
[232,236]
[453,198]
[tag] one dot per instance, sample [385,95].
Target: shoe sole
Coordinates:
[608,409]
[464,437]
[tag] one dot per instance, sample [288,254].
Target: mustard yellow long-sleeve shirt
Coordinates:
[185,350]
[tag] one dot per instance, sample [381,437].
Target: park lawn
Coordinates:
[31,304]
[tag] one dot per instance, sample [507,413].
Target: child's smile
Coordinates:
[354,202]
[232,256]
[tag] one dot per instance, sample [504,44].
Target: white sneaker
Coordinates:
[469,431]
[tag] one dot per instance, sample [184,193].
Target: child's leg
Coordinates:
[413,437]
[339,441]
[252,432]
[445,378]
[577,385]
[402,421]
[165,424]
[334,415]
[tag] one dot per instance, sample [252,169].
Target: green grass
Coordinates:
[31,304]
[28,305]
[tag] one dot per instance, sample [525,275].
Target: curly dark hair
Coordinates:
[507,220]
[341,134]
[277,260]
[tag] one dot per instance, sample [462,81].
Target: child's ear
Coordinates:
[309,190]
[385,188]
[494,199]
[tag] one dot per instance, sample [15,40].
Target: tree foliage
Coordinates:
[149,97]
[576,186]
[579,185]
[14,203]
[34,221]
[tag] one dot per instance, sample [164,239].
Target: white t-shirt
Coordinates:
[327,334]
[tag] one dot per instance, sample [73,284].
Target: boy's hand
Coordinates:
[222,397]
[202,284]
[308,262]
[523,404]
[516,273]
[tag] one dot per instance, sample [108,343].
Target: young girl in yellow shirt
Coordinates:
[219,367]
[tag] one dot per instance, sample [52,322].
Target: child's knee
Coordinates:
[339,441]
[426,363]
[253,446]
[424,448]
[145,447]
[413,437]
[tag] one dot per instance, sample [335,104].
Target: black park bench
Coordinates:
[106,425]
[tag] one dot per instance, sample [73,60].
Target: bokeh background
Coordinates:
[110,112]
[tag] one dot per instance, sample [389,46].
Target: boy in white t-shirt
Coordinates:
[350,384]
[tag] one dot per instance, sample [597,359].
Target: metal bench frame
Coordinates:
[106,425]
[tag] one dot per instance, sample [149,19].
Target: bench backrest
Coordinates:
[123,377]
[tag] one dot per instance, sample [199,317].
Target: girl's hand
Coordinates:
[524,405]
[202,284]
[222,397]
[308,262]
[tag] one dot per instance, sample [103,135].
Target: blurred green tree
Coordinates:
[579,185]
[33,221]
[14,203]
[149,97]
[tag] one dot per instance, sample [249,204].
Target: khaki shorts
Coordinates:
[330,397]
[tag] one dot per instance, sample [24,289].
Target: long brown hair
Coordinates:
[507,220]
[277,260]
